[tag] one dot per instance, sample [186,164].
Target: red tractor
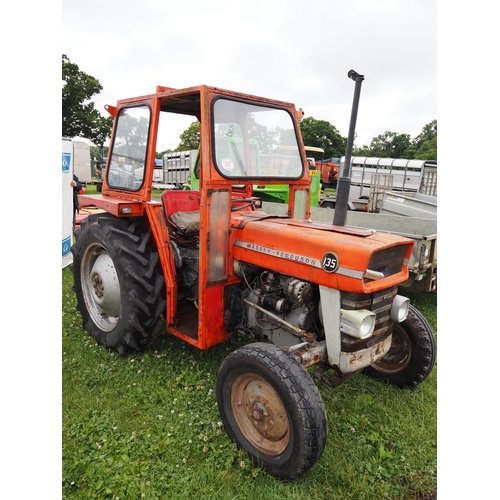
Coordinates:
[205,264]
[329,172]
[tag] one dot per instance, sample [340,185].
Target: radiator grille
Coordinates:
[379,303]
[388,261]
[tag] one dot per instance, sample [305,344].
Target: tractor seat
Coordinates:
[182,213]
[187,223]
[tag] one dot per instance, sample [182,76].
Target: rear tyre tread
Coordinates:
[141,282]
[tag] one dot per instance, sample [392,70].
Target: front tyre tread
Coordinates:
[307,431]
[415,331]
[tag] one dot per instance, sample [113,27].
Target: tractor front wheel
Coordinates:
[117,285]
[272,409]
[411,356]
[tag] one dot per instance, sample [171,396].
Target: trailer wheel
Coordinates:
[412,354]
[328,204]
[272,409]
[118,288]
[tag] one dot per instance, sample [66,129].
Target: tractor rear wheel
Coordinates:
[272,409]
[412,354]
[117,285]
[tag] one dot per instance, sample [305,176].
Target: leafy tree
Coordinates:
[424,146]
[318,133]
[79,116]
[97,155]
[190,138]
[267,138]
[429,132]
[427,150]
[97,152]
[393,145]
[322,134]
[132,130]
[390,145]
[361,151]
[160,154]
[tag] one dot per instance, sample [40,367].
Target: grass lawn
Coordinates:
[148,426]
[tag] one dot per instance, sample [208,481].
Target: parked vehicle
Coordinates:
[329,172]
[173,171]
[81,160]
[269,192]
[206,264]
[278,193]
[372,178]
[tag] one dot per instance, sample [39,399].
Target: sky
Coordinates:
[297,52]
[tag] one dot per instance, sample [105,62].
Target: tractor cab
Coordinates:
[244,140]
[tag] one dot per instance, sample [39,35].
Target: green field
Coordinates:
[148,426]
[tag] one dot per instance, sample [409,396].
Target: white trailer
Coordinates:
[410,204]
[75,160]
[174,171]
[67,201]
[82,167]
[372,178]
[413,176]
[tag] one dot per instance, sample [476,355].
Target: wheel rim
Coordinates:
[260,414]
[399,355]
[100,287]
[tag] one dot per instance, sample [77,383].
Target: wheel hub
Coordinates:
[100,287]
[106,285]
[259,411]
[399,355]
[260,414]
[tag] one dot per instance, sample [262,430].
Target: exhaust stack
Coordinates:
[344,182]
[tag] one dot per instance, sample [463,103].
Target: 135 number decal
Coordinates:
[330,262]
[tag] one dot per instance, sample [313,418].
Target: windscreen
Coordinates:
[128,158]
[255,142]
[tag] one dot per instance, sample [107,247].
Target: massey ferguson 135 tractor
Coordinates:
[205,264]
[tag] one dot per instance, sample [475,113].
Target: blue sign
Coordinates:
[66,246]
[66,162]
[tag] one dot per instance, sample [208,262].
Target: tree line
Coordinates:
[322,134]
[81,119]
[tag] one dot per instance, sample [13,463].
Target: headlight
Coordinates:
[357,323]
[400,308]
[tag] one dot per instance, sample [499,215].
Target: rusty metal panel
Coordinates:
[354,361]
